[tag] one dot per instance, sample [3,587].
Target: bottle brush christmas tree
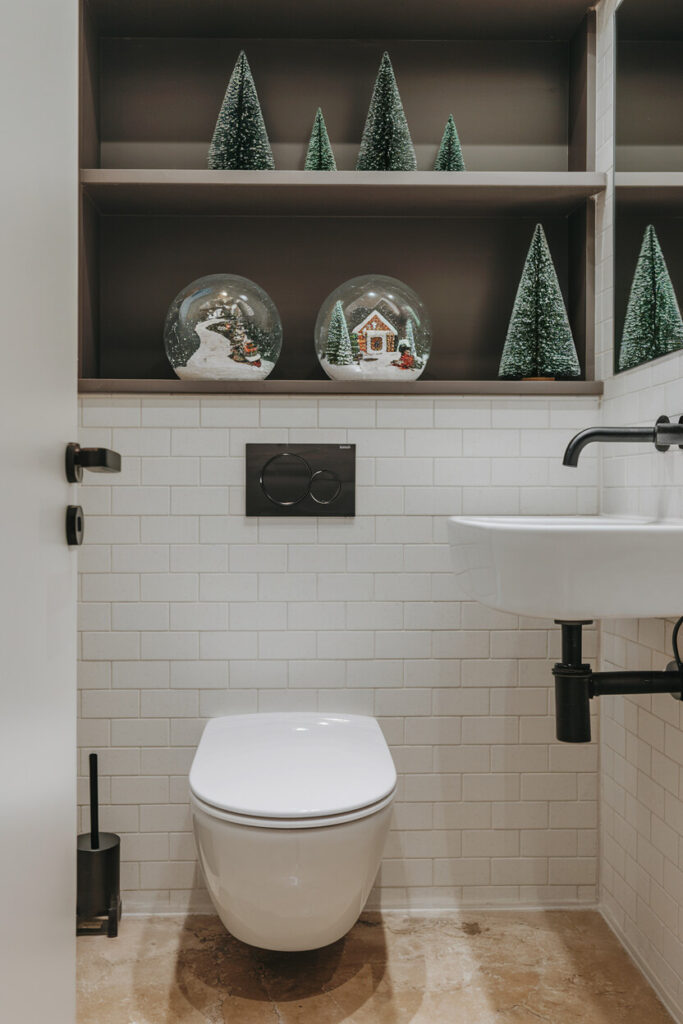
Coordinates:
[338,350]
[320,156]
[410,337]
[539,340]
[240,141]
[449,157]
[386,144]
[653,325]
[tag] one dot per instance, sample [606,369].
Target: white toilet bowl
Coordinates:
[290,813]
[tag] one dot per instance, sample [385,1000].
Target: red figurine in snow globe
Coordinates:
[406,360]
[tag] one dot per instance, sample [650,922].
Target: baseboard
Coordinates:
[675,1010]
[411,911]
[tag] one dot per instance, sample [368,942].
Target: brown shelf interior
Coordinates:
[354,19]
[154,219]
[465,270]
[517,106]
[649,86]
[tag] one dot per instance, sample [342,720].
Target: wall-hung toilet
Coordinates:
[290,813]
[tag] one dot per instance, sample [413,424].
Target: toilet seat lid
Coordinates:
[292,764]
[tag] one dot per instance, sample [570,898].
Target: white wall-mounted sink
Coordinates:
[570,567]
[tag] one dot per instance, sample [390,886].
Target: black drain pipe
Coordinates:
[576,684]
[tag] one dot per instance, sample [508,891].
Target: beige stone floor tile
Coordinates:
[493,967]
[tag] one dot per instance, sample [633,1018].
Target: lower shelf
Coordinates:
[333,387]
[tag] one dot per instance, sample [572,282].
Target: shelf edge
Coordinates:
[321,388]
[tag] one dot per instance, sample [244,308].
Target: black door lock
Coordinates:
[97,460]
[75,525]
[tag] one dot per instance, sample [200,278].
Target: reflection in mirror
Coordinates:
[649,181]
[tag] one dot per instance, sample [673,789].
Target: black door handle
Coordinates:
[97,460]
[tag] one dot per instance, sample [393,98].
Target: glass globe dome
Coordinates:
[373,328]
[222,327]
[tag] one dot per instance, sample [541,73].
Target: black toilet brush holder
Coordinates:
[98,901]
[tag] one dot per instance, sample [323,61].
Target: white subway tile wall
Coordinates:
[641,749]
[642,737]
[190,610]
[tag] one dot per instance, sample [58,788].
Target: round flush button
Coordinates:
[285,479]
[325,487]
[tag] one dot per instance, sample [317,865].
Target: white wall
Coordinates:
[641,848]
[642,737]
[190,610]
[38,179]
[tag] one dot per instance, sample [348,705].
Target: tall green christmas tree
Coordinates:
[338,350]
[449,157]
[320,156]
[386,144]
[240,141]
[539,341]
[653,325]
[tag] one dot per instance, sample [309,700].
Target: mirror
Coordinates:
[648,262]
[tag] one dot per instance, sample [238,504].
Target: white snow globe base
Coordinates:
[212,361]
[376,367]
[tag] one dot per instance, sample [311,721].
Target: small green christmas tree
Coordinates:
[386,144]
[355,347]
[410,338]
[338,350]
[240,141]
[653,325]
[539,341]
[320,156]
[449,157]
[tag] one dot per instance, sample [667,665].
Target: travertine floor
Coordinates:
[476,968]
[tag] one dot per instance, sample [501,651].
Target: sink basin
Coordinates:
[570,567]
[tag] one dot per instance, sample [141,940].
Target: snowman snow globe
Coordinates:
[222,327]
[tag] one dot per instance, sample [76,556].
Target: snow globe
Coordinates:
[222,327]
[373,328]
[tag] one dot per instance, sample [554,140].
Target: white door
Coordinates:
[38,278]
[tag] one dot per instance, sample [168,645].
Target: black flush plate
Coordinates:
[301,480]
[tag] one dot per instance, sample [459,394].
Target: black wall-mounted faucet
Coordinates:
[662,436]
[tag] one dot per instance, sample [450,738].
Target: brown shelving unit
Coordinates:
[153,218]
[334,387]
[354,19]
[647,188]
[338,193]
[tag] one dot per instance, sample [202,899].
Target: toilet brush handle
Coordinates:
[94,805]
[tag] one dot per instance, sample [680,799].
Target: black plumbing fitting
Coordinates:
[576,684]
[662,435]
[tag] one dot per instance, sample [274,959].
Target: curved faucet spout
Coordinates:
[610,434]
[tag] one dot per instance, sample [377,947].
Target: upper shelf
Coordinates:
[353,19]
[661,189]
[338,193]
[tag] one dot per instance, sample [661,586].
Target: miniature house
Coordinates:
[376,334]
